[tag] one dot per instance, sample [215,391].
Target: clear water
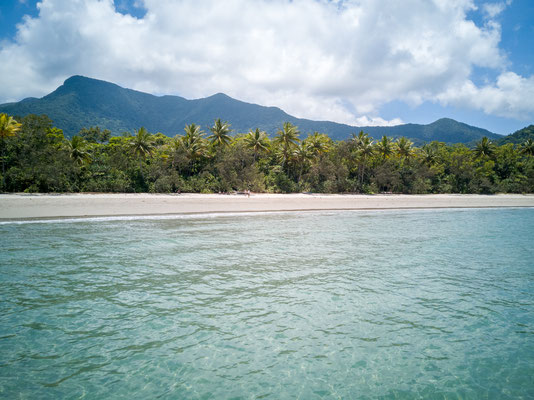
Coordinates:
[393,304]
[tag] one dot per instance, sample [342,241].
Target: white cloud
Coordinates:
[510,96]
[493,9]
[320,59]
[377,121]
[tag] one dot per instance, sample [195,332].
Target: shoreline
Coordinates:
[51,206]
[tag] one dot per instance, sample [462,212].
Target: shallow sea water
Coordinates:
[382,304]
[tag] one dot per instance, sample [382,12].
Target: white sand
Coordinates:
[22,206]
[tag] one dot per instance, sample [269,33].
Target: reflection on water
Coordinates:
[286,305]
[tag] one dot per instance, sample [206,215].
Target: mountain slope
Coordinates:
[518,137]
[83,102]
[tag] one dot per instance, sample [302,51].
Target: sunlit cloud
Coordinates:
[316,59]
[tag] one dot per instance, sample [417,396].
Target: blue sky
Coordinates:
[363,62]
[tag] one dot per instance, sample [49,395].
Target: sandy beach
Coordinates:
[23,206]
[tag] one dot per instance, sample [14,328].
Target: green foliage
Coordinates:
[142,143]
[527,147]
[38,158]
[8,128]
[385,147]
[195,146]
[484,148]
[95,135]
[317,144]
[258,142]
[286,140]
[77,150]
[404,148]
[220,134]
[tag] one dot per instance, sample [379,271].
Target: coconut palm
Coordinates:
[193,131]
[357,139]
[257,141]
[527,148]
[8,128]
[287,138]
[385,147]
[484,148]
[77,149]
[404,148]
[174,146]
[142,145]
[317,144]
[364,149]
[220,133]
[194,143]
[300,157]
[429,152]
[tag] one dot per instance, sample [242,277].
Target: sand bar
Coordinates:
[25,206]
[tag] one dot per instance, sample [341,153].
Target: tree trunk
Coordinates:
[3,164]
[362,171]
[141,169]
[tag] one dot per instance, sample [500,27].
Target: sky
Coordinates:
[360,62]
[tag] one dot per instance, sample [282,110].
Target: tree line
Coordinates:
[36,157]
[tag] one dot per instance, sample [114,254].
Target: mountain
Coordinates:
[518,137]
[443,130]
[83,102]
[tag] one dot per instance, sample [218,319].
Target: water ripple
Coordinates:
[418,304]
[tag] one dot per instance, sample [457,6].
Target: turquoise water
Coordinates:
[392,304]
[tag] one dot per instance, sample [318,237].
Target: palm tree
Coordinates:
[364,148]
[357,139]
[317,144]
[142,143]
[484,148]
[194,143]
[220,133]
[429,152]
[257,141]
[300,157]
[193,132]
[287,138]
[527,148]
[142,146]
[78,153]
[175,146]
[8,128]
[404,148]
[385,147]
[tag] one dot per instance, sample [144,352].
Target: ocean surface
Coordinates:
[336,305]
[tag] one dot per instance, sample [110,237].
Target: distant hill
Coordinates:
[443,130]
[83,102]
[518,137]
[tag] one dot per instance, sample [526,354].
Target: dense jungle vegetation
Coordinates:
[36,157]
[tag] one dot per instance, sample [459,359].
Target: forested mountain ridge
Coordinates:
[84,102]
[518,137]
